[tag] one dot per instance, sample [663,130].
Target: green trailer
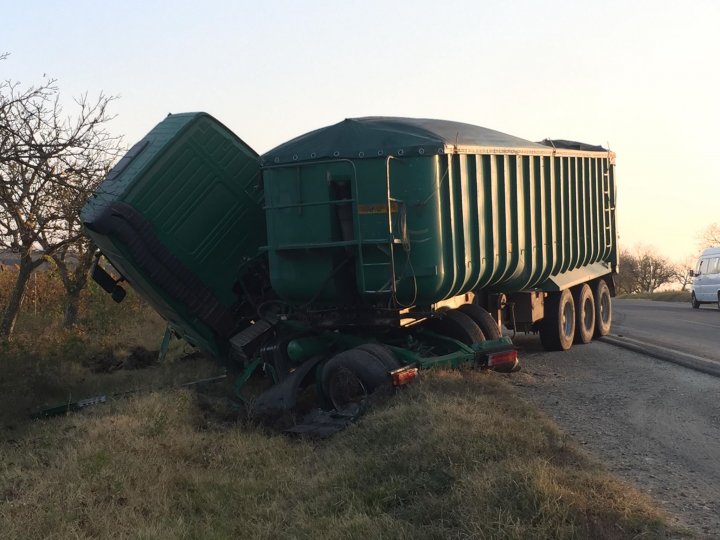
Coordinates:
[359,252]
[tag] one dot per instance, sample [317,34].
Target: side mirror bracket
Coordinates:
[106,281]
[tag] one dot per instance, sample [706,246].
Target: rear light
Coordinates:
[503,358]
[404,375]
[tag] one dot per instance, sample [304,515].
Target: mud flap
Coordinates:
[281,397]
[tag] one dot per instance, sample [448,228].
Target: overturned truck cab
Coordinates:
[355,254]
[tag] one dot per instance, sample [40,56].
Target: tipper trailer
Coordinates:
[359,252]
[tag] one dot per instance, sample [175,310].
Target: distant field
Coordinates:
[664,296]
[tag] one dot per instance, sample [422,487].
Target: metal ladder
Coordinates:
[390,285]
[607,207]
[384,243]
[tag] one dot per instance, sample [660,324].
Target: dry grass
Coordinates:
[44,365]
[662,296]
[456,456]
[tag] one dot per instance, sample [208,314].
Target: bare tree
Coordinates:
[48,162]
[681,271]
[627,277]
[710,237]
[74,258]
[681,276]
[644,270]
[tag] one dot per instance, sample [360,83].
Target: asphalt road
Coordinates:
[652,422]
[674,325]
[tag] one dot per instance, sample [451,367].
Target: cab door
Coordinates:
[699,280]
[712,279]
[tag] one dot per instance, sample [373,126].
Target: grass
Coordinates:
[456,456]
[663,296]
[45,365]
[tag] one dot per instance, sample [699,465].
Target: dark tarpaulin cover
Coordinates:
[374,136]
[572,145]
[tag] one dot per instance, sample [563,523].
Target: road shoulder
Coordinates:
[698,363]
[654,423]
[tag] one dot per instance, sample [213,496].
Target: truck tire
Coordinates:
[557,330]
[348,379]
[456,325]
[382,353]
[584,313]
[603,308]
[694,301]
[483,319]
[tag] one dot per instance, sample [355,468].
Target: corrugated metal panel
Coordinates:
[503,221]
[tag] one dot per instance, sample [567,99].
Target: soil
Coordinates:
[111,360]
[653,423]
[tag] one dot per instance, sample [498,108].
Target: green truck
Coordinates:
[353,255]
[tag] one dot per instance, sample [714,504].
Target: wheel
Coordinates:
[718,300]
[603,308]
[456,325]
[558,325]
[349,378]
[694,301]
[483,319]
[382,353]
[584,314]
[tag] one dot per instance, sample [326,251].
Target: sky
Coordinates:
[641,77]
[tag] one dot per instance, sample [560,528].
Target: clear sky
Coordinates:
[642,76]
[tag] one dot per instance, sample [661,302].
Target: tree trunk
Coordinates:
[12,309]
[72,307]
[73,282]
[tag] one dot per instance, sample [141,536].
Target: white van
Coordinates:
[706,278]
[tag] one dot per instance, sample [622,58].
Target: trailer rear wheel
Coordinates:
[558,326]
[603,308]
[456,325]
[585,314]
[483,319]
[351,377]
[382,353]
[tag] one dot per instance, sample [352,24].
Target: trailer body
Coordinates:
[426,210]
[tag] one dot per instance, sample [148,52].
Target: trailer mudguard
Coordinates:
[282,397]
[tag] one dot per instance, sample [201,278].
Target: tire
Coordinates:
[584,314]
[718,304]
[456,325]
[695,303]
[382,353]
[483,319]
[557,330]
[348,379]
[603,308]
